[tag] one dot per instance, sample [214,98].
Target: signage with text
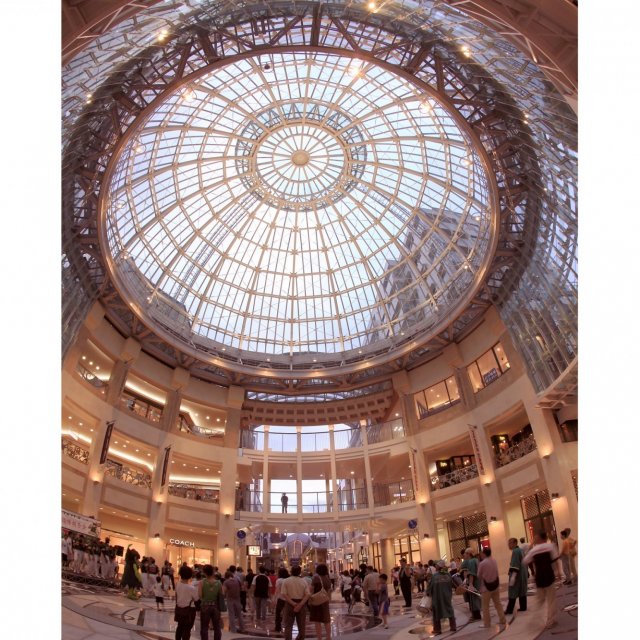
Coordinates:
[253,550]
[182,543]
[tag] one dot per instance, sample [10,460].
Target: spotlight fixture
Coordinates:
[546,456]
[226,545]
[493,519]
[156,535]
[555,496]
[426,535]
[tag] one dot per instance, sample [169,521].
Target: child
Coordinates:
[158,592]
[383,598]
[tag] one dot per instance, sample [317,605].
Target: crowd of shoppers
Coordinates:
[287,595]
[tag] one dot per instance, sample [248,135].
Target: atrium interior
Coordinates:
[327,251]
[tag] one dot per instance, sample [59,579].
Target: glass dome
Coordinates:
[300,203]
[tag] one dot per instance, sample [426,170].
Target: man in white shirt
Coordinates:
[370,587]
[489,588]
[295,593]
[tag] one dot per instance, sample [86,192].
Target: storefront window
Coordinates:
[437,397]
[488,367]
[406,547]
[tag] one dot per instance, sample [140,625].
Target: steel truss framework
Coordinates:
[492,114]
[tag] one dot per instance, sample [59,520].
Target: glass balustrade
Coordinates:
[393,493]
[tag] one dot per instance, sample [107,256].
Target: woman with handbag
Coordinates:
[319,601]
[186,596]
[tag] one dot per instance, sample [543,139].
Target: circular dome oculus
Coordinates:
[323,206]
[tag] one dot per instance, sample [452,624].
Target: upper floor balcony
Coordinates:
[516,451]
[292,439]
[127,474]
[75,451]
[454,477]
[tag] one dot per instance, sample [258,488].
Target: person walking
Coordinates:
[518,578]
[440,588]
[158,592]
[320,614]
[284,500]
[210,595]
[383,599]
[370,586]
[283,574]
[404,577]
[469,571]
[568,555]
[543,555]
[345,586]
[295,593]
[231,591]
[185,612]
[261,593]
[490,588]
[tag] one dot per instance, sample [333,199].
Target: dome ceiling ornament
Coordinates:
[272,213]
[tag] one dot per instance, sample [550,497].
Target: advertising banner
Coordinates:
[165,465]
[106,441]
[82,524]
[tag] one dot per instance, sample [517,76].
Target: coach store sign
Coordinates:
[182,543]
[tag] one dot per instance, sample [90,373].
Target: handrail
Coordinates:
[384,431]
[516,451]
[393,493]
[454,477]
[127,474]
[90,377]
[194,492]
[75,451]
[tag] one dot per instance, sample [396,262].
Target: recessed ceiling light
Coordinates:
[207,417]
[84,357]
[137,450]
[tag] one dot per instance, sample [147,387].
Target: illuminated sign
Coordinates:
[253,550]
[182,543]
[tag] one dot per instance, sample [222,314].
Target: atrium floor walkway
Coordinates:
[91,612]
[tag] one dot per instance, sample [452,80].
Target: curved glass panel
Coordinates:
[300,202]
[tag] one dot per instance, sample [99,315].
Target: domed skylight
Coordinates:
[299,203]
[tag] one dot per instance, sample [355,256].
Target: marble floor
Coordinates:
[99,613]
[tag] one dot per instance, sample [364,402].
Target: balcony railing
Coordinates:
[454,477]
[75,451]
[98,385]
[127,474]
[516,451]
[140,407]
[317,502]
[202,432]
[194,492]
[350,499]
[385,431]
[393,493]
[347,438]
